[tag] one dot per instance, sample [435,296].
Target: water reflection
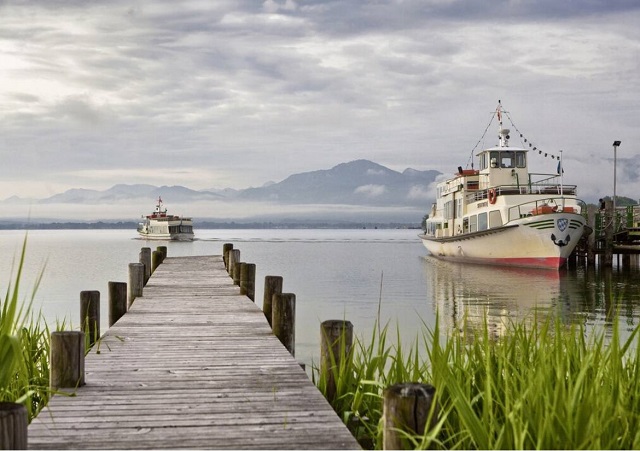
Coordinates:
[590,296]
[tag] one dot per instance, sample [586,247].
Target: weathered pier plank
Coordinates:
[192,364]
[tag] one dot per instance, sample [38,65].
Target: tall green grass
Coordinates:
[24,348]
[542,385]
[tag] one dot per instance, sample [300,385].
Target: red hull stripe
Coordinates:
[530,262]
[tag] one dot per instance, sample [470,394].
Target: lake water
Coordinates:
[335,274]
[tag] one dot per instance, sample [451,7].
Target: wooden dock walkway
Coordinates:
[192,364]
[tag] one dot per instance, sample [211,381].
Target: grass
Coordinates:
[543,385]
[24,348]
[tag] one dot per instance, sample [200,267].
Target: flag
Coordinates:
[560,169]
[499,115]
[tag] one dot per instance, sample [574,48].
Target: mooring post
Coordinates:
[14,423]
[117,301]
[336,340]
[406,410]
[248,280]
[234,256]
[136,281]
[145,259]
[237,268]
[272,285]
[608,234]
[591,239]
[67,359]
[226,247]
[163,251]
[90,315]
[156,259]
[284,320]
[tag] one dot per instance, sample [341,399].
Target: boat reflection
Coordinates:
[464,294]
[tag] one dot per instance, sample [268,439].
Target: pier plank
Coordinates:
[193,364]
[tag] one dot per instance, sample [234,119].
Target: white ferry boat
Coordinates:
[161,226]
[502,214]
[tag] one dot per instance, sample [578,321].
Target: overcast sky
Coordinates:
[236,93]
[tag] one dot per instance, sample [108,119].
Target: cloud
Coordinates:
[420,192]
[258,91]
[371,190]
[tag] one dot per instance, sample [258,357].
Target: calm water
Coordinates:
[335,274]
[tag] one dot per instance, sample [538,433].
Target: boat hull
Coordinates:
[540,241]
[167,236]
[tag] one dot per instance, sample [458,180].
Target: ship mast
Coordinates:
[503,133]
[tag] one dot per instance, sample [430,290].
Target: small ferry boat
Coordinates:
[503,214]
[161,226]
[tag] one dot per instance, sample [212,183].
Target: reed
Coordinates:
[24,348]
[542,385]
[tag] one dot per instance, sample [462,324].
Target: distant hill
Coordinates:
[360,182]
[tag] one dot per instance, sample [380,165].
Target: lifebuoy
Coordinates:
[492,195]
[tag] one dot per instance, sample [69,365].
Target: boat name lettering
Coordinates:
[483,204]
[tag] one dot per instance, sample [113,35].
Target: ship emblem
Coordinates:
[562,224]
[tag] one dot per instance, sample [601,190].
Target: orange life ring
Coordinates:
[492,196]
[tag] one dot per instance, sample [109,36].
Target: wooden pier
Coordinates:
[192,364]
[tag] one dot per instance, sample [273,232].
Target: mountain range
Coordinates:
[359,183]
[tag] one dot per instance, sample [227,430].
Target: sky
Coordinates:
[217,94]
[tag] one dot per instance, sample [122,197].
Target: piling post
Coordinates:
[407,408]
[591,239]
[67,359]
[248,280]
[117,301]
[608,234]
[226,247]
[14,423]
[136,282]
[336,340]
[156,259]
[284,320]
[90,315]
[237,268]
[163,251]
[272,285]
[145,259]
[234,256]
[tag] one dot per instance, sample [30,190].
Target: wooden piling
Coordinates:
[234,256]
[607,261]
[272,285]
[248,280]
[407,408]
[284,320]
[163,251]
[156,260]
[226,247]
[67,359]
[336,340]
[136,282]
[117,301]
[145,259]
[237,268]
[591,239]
[90,315]
[14,423]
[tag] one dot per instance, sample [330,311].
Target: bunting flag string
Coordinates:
[531,146]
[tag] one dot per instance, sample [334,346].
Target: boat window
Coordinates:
[482,222]
[507,160]
[465,225]
[448,210]
[521,159]
[493,158]
[473,223]
[459,205]
[495,219]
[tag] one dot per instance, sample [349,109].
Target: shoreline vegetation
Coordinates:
[542,384]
